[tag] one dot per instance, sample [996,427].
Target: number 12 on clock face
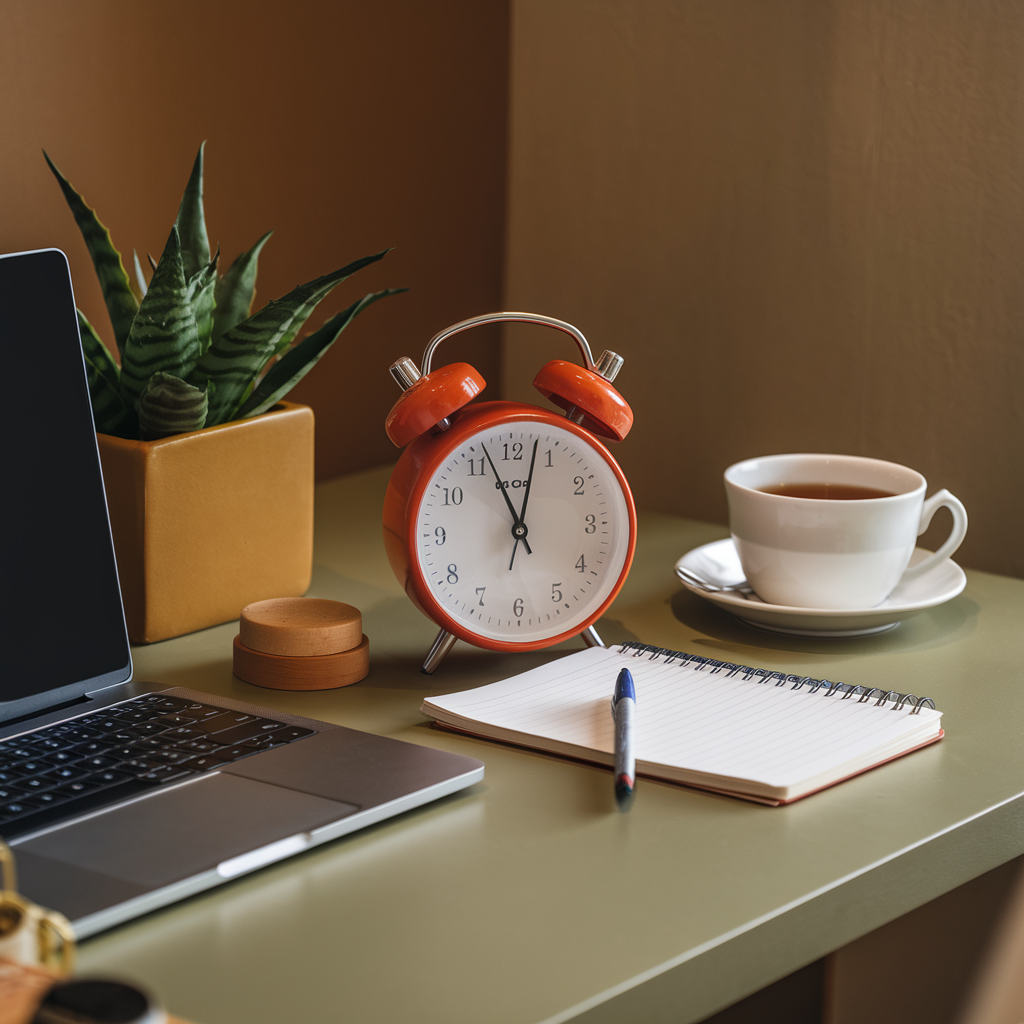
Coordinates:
[523,532]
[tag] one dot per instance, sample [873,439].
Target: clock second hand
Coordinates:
[522,511]
[518,528]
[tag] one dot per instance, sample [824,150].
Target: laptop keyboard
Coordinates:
[84,763]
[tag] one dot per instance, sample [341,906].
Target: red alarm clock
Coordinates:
[508,525]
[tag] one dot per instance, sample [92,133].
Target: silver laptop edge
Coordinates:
[279,850]
[253,860]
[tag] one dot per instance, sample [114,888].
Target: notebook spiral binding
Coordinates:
[864,694]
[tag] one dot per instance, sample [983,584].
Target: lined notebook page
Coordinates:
[686,718]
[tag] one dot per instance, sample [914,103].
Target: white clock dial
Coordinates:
[511,575]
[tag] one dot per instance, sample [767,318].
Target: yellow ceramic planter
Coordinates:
[207,522]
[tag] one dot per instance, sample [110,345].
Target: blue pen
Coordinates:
[623,708]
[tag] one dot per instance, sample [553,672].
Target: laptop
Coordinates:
[117,800]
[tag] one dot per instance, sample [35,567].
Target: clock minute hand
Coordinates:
[518,531]
[504,493]
[529,483]
[526,501]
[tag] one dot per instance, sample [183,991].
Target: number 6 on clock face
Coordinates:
[520,530]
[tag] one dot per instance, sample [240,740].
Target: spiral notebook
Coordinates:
[747,732]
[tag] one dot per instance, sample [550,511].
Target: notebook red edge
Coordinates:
[764,802]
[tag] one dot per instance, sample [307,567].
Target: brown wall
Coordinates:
[346,127]
[802,223]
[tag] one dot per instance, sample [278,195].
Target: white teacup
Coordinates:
[812,552]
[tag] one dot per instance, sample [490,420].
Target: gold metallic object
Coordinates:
[29,934]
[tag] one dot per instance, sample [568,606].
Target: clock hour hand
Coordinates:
[518,527]
[526,500]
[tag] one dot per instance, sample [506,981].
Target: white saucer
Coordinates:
[718,563]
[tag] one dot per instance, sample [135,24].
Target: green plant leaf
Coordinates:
[170,406]
[96,352]
[164,336]
[140,278]
[238,356]
[191,222]
[201,290]
[109,411]
[117,292]
[292,367]
[235,290]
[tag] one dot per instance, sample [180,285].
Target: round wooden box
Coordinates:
[301,643]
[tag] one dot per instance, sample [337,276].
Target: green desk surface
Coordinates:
[528,898]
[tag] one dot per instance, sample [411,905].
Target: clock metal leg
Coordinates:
[441,646]
[592,638]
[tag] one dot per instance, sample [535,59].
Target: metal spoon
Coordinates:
[743,587]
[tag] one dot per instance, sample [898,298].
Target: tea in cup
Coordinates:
[832,531]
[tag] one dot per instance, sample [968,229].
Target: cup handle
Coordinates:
[953,541]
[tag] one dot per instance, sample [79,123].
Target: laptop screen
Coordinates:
[63,626]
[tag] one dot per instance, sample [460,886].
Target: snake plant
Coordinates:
[191,353]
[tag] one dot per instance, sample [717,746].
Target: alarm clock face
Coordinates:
[523,532]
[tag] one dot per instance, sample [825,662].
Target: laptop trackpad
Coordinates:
[181,832]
